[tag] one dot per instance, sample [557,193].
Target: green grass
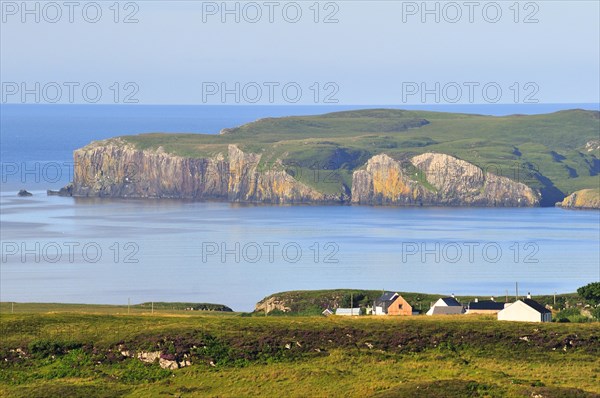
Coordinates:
[78,354]
[143,308]
[543,151]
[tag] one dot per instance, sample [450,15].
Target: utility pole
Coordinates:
[152,307]
[128,304]
[351,304]
[12,308]
[506,296]
[554,299]
[517,289]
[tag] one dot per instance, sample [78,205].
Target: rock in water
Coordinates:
[24,192]
[64,191]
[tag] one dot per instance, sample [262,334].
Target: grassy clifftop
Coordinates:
[553,152]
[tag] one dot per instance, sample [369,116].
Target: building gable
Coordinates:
[399,307]
[520,311]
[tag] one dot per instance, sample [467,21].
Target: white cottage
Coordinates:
[526,310]
[446,306]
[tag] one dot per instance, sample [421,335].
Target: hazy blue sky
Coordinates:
[377,52]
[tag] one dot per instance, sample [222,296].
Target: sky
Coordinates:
[304,52]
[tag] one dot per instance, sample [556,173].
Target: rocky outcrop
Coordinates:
[583,199]
[64,191]
[164,361]
[115,168]
[274,185]
[592,145]
[384,181]
[436,179]
[24,193]
[271,303]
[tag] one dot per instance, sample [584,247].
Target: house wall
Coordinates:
[400,307]
[347,311]
[547,317]
[447,310]
[487,312]
[379,310]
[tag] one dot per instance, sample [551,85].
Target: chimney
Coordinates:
[529,295]
[476,300]
[492,298]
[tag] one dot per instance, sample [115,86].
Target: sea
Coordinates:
[115,251]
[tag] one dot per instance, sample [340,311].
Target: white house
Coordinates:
[327,312]
[446,306]
[347,311]
[526,310]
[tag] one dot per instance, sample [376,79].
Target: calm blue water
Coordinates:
[108,251]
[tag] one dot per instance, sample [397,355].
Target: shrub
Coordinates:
[46,348]
[596,313]
[590,292]
[571,315]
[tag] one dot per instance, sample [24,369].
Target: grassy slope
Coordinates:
[415,356]
[543,151]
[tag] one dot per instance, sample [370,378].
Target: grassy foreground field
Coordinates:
[76,351]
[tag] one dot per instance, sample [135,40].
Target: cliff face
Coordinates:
[116,169]
[384,182]
[583,199]
[248,184]
[436,179]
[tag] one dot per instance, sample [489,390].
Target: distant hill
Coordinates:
[316,159]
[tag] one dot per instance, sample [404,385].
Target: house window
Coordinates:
[400,306]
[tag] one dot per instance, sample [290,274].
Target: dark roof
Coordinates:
[387,296]
[536,306]
[486,305]
[451,301]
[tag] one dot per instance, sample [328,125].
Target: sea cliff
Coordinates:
[116,168]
